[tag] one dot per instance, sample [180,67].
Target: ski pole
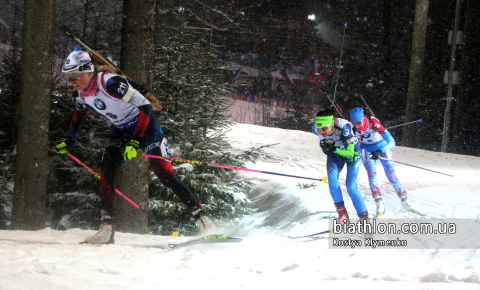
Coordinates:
[311,235]
[416,166]
[98,176]
[325,179]
[341,111]
[368,107]
[337,108]
[418,121]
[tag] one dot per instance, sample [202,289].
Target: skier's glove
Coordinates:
[376,154]
[60,146]
[327,147]
[130,150]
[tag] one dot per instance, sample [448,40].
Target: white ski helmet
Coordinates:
[78,61]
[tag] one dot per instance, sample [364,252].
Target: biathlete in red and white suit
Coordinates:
[134,125]
[377,143]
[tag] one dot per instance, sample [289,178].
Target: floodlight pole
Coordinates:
[446,120]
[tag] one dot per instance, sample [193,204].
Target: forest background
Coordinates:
[200,53]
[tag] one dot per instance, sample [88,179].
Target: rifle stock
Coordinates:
[154,102]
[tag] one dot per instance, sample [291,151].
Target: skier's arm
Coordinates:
[385,135]
[349,141]
[314,130]
[390,142]
[376,125]
[79,117]
[144,117]
[119,88]
[348,152]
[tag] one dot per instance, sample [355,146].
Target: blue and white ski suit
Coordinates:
[347,152]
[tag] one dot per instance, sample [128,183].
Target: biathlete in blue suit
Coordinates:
[377,143]
[341,147]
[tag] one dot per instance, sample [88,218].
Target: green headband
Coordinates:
[323,121]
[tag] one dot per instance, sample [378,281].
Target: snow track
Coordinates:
[266,258]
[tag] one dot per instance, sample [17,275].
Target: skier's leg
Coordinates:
[334,166]
[352,188]
[392,177]
[357,199]
[390,173]
[164,171]
[111,162]
[371,167]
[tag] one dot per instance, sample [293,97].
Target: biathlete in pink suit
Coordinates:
[377,143]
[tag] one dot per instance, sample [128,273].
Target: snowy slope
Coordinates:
[266,258]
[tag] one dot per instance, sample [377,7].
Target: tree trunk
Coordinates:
[28,212]
[416,73]
[136,59]
[133,181]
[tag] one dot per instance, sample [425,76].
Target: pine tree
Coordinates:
[9,91]
[190,82]
[193,89]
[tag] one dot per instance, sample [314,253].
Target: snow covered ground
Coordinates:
[266,258]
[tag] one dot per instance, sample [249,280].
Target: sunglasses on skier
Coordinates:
[320,130]
[73,76]
[358,124]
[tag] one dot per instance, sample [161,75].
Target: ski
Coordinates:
[31,242]
[207,240]
[212,239]
[308,236]
[319,212]
[412,210]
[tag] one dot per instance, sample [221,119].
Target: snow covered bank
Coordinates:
[266,258]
